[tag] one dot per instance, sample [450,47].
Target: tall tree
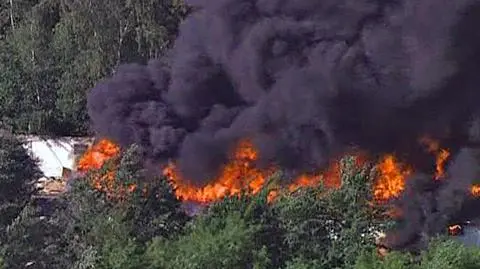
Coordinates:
[12,13]
[94,37]
[18,171]
[52,52]
[27,84]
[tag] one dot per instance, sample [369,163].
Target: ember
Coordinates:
[455,230]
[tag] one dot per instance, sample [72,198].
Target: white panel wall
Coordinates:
[53,154]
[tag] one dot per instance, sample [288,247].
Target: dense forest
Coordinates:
[51,53]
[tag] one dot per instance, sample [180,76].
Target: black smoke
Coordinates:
[305,80]
[430,206]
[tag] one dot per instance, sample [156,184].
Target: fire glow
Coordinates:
[94,158]
[241,174]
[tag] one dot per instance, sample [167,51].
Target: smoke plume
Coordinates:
[305,80]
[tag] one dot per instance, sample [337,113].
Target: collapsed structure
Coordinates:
[57,159]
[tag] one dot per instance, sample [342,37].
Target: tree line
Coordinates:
[53,51]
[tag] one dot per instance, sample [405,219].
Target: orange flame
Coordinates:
[234,177]
[97,155]
[94,158]
[475,190]
[454,230]
[238,175]
[441,155]
[391,179]
[441,160]
[241,174]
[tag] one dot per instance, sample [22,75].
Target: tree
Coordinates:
[52,52]
[330,227]
[236,232]
[442,253]
[12,13]
[93,38]
[109,227]
[313,227]
[152,208]
[33,240]
[27,92]
[220,243]
[18,171]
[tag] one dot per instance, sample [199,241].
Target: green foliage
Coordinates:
[54,51]
[51,53]
[153,208]
[394,260]
[32,239]
[101,232]
[144,227]
[220,243]
[303,263]
[18,171]
[311,228]
[116,249]
[26,96]
[450,254]
[442,253]
[236,232]
[330,226]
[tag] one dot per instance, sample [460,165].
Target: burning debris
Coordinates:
[455,230]
[305,82]
[96,156]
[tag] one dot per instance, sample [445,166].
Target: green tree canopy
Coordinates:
[18,171]
[55,51]
[442,253]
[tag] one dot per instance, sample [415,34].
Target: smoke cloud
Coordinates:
[305,80]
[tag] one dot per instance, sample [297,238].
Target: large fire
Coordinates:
[235,177]
[391,179]
[97,155]
[240,174]
[94,158]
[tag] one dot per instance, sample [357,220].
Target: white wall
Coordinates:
[53,154]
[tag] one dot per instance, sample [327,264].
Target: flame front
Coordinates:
[241,174]
[233,179]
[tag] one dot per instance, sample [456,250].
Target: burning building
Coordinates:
[253,86]
[57,159]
